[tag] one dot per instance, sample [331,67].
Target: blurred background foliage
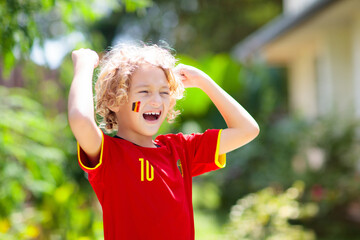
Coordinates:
[296,180]
[267,215]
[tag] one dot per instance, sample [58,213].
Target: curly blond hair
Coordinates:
[114,78]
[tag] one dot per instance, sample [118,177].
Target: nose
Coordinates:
[156,100]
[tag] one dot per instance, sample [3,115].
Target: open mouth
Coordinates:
[151,116]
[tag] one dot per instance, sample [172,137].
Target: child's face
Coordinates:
[149,102]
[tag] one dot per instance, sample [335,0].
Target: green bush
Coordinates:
[41,197]
[267,213]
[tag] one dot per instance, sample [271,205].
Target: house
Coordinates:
[318,41]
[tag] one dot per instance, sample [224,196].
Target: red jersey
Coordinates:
[146,193]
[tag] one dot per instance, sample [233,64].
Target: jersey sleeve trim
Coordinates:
[220,160]
[101,155]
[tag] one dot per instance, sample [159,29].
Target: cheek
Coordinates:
[167,102]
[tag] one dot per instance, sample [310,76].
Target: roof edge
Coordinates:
[274,29]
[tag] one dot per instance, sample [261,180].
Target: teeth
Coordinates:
[152,113]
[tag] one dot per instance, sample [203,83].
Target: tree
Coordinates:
[25,23]
[194,27]
[43,193]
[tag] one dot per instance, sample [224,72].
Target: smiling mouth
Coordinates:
[151,116]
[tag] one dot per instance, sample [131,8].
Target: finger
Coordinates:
[176,70]
[179,67]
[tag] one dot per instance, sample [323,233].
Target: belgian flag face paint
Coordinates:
[136,106]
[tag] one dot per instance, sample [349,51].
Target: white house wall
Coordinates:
[335,72]
[325,83]
[356,64]
[321,72]
[323,58]
[302,84]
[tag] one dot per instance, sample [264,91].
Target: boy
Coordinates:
[144,185]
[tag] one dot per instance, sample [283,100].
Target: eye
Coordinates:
[144,91]
[165,93]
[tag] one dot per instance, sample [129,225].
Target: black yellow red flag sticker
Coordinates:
[136,106]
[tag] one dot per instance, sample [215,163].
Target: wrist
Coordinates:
[204,81]
[83,66]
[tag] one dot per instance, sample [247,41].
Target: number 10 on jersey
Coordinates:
[147,170]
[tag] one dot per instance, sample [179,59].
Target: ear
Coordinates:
[113,106]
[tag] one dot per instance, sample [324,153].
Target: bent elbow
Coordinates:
[253,131]
[256,130]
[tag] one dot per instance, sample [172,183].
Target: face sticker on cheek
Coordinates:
[136,106]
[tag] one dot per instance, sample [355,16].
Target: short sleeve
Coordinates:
[83,159]
[204,151]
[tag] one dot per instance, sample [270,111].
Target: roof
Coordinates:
[276,28]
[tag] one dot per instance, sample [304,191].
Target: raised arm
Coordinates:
[81,106]
[242,128]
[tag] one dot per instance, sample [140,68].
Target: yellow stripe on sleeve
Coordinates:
[220,161]
[101,154]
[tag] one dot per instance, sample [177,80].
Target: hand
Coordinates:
[191,76]
[85,56]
